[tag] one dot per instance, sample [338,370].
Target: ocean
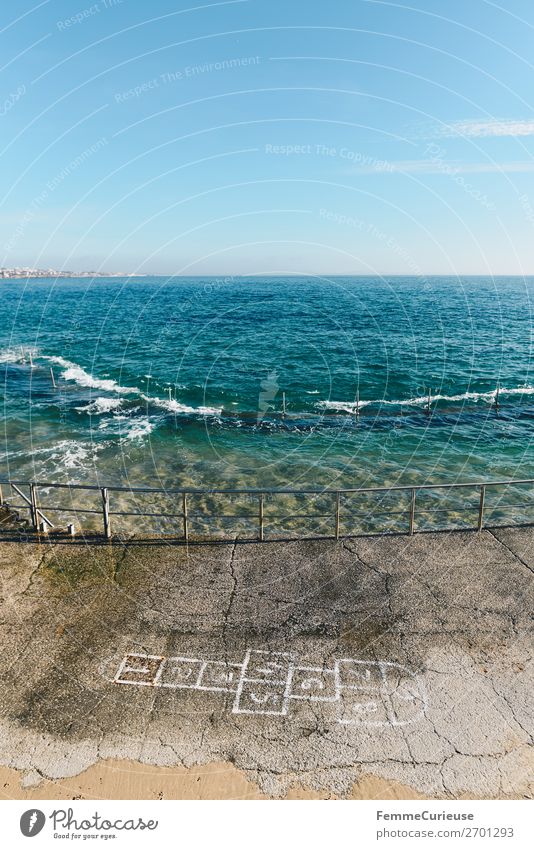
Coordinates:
[183,382]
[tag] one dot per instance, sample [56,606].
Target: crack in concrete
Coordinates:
[233,592]
[116,565]
[512,552]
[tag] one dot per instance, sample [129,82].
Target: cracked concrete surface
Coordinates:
[455,609]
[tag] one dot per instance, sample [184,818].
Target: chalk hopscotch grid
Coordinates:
[379,681]
[125,669]
[273,682]
[380,689]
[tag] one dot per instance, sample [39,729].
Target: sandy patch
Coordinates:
[113,779]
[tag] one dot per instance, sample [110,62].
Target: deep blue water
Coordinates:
[227,349]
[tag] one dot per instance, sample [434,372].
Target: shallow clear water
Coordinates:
[180,382]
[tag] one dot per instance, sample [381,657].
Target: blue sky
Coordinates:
[259,136]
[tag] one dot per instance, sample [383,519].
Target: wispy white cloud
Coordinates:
[441,166]
[486,129]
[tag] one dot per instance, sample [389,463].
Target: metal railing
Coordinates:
[334,518]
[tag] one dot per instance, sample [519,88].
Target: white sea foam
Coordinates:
[173,406]
[100,406]
[345,406]
[10,356]
[139,428]
[351,406]
[74,456]
[18,355]
[67,454]
[74,372]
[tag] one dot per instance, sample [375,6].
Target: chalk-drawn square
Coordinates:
[313,683]
[359,675]
[358,708]
[141,669]
[181,672]
[261,698]
[218,675]
[267,666]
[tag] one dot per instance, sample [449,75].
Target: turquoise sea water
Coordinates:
[180,382]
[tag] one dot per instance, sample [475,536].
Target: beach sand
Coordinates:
[113,779]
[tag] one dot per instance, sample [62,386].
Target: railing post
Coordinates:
[1,496]
[33,507]
[337,514]
[260,516]
[412,512]
[105,512]
[185,516]
[481,507]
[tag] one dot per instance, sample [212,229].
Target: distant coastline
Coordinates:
[25,273]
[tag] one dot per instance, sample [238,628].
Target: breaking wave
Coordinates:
[74,372]
[422,400]
[18,355]
[100,406]
[173,406]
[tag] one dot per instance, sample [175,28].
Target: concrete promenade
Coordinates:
[407,659]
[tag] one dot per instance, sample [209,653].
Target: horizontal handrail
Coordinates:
[341,510]
[267,490]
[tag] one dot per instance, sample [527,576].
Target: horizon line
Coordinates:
[325,275]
